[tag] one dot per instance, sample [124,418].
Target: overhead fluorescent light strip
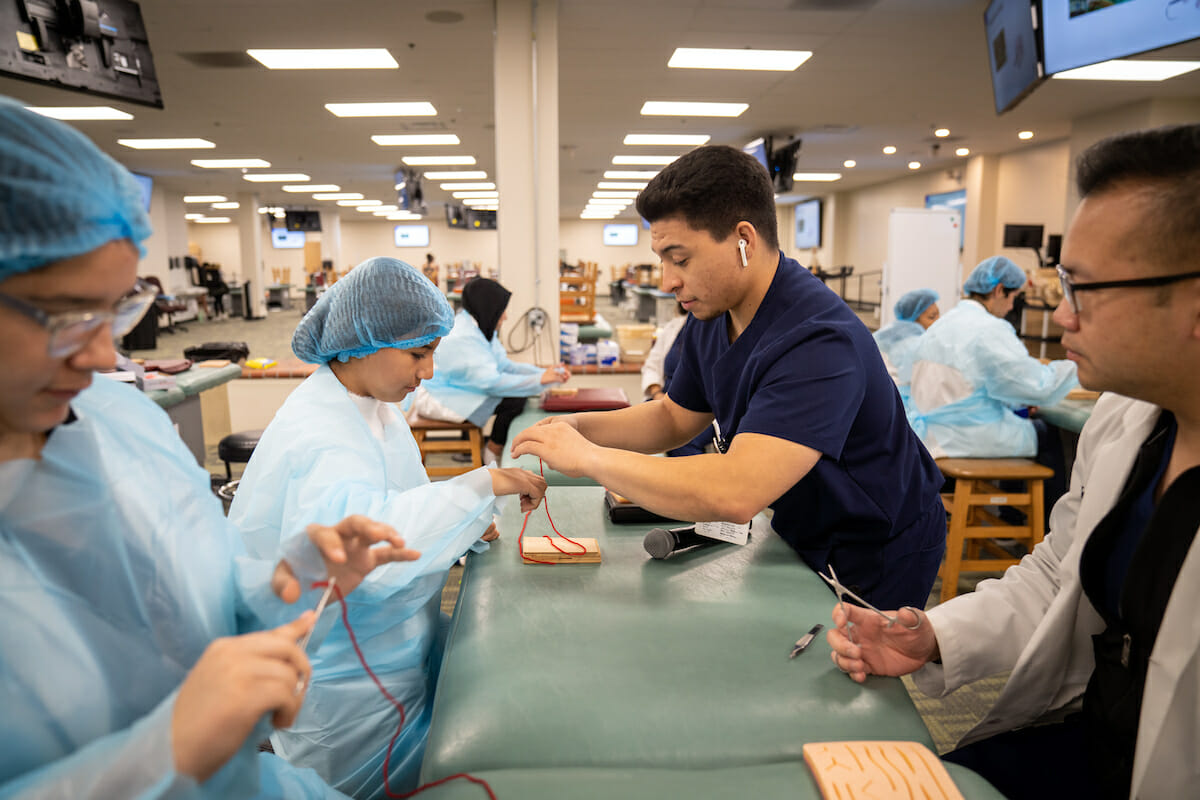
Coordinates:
[629,174]
[644,160]
[80,112]
[276,177]
[337,196]
[359,58]
[692,109]
[166,144]
[437,161]
[205,198]
[230,163]
[817,176]
[664,139]
[1128,70]
[406,139]
[421,109]
[467,186]
[463,175]
[723,58]
[312,187]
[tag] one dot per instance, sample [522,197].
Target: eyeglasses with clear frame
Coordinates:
[70,331]
[1069,287]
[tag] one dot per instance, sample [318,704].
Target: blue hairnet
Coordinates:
[913,304]
[59,195]
[992,272]
[382,302]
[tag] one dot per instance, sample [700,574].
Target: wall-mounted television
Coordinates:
[479,219]
[782,163]
[1013,54]
[621,234]
[808,224]
[1023,236]
[409,194]
[309,221]
[412,235]
[758,149]
[456,216]
[98,47]
[1076,33]
[283,239]
[146,184]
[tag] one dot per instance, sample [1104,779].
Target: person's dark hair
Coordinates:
[979,298]
[713,188]
[429,258]
[1165,161]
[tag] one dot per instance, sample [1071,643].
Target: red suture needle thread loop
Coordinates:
[521,536]
[399,708]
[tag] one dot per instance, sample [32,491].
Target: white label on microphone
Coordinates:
[730,532]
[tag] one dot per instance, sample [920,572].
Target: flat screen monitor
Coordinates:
[1012,45]
[1053,249]
[96,47]
[1023,236]
[783,165]
[309,221]
[808,224]
[412,235]
[1076,33]
[146,184]
[481,219]
[621,235]
[456,216]
[283,239]
[759,148]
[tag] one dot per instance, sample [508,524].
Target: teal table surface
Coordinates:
[193,381]
[788,779]
[1069,415]
[678,664]
[597,329]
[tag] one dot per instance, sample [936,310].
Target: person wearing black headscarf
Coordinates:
[473,377]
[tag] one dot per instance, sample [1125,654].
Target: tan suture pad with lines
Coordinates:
[557,550]
[879,771]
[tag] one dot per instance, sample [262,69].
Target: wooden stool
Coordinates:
[972,527]
[421,428]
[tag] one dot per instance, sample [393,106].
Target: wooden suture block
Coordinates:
[539,548]
[879,771]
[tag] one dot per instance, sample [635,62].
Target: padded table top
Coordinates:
[677,664]
[788,779]
[528,417]
[193,381]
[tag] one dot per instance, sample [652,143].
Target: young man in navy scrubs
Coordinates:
[810,422]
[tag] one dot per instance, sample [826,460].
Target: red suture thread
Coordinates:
[521,536]
[398,706]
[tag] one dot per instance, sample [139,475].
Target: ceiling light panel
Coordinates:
[230,163]
[666,139]
[721,58]
[462,175]
[437,161]
[1126,70]
[166,144]
[337,196]
[643,160]
[691,109]
[407,139]
[80,112]
[421,109]
[276,177]
[360,58]
[205,198]
[312,187]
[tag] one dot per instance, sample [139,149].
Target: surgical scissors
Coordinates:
[842,593]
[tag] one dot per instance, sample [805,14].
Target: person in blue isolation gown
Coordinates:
[915,312]
[474,377]
[143,654]
[971,371]
[337,446]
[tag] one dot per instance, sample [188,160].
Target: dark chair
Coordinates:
[236,448]
[166,307]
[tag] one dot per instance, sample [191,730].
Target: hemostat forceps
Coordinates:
[842,593]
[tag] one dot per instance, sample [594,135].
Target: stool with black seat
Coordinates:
[972,529]
[236,448]
[468,439]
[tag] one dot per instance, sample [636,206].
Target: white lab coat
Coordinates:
[654,367]
[1038,622]
[970,370]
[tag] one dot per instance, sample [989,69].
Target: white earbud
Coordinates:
[742,248]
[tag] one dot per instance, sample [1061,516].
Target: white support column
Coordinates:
[250,235]
[331,238]
[526,110]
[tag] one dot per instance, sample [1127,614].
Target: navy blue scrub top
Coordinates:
[807,370]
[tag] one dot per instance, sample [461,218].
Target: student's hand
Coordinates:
[561,446]
[491,534]
[556,374]
[870,647]
[350,553]
[565,419]
[236,680]
[512,480]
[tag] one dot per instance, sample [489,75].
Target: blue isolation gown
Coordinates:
[472,375]
[118,569]
[327,454]
[969,373]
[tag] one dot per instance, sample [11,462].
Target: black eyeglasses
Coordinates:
[70,331]
[1069,287]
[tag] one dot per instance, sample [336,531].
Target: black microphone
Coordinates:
[660,543]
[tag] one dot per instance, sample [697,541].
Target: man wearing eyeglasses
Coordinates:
[1098,624]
